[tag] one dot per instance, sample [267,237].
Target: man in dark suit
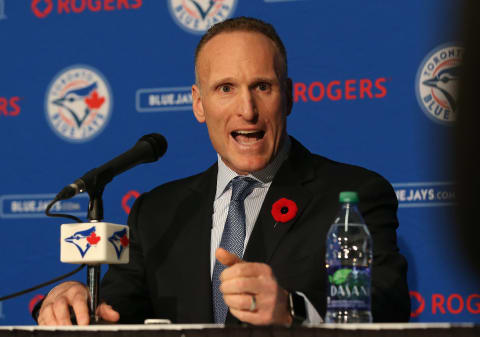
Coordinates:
[244,95]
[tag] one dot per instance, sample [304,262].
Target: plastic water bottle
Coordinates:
[348,264]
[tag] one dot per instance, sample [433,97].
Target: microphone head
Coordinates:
[157,142]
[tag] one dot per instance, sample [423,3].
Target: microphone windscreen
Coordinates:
[157,142]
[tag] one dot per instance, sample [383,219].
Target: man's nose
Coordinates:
[248,107]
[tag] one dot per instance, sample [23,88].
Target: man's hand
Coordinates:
[55,311]
[243,280]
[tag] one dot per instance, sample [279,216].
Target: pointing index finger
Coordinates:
[226,258]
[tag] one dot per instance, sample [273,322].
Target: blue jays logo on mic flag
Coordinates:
[437,83]
[78,103]
[120,241]
[196,16]
[83,240]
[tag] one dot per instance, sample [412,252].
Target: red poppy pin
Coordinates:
[284,210]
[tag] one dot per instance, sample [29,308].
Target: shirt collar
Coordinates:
[264,176]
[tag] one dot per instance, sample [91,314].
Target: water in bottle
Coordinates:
[348,264]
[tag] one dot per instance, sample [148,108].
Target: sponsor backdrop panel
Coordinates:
[83,80]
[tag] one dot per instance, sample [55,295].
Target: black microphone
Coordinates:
[148,149]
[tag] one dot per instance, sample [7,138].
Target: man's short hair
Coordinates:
[245,24]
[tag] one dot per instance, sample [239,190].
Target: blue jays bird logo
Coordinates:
[78,103]
[120,241]
[445,83]
[196,16]
[437,83]
[83,240]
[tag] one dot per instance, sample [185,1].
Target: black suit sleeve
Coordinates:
[390,297]
[124,286]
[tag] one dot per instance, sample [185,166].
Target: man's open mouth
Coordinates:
[247,137]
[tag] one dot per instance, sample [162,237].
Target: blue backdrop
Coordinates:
[82,80]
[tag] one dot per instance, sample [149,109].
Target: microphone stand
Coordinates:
[95,214]
[148,149]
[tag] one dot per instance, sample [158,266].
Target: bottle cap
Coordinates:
[348,196]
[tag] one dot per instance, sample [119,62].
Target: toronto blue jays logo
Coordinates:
[120,241]
[78,103]
[196,16]
[437,83]
[83,240]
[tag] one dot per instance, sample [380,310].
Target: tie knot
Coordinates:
[242,187]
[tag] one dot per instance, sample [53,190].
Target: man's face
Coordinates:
[243,98]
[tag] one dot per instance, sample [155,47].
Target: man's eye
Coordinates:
[263,86]
[225,88]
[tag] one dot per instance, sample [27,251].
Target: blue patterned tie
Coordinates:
[233,238]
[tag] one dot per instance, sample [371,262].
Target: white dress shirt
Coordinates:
[253,203]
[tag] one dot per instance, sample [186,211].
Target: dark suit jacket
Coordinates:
[169,271]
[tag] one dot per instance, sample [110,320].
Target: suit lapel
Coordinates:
[288,183]
[197,210]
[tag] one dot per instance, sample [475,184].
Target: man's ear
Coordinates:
[289,95]
[197,105]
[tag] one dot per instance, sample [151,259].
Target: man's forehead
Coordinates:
[229,49]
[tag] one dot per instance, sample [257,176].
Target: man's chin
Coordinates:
[247,166]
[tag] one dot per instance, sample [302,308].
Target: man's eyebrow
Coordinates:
[265,79]
[255,80]
[222,81]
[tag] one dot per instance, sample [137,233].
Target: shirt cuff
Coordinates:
[312,314]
